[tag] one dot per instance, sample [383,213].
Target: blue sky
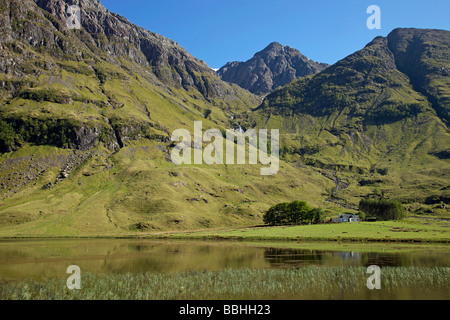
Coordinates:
[218,31]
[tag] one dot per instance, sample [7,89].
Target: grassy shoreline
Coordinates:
[390,231]
[381,231]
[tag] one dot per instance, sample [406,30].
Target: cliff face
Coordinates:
[104,32]
[127,77]
[273,67]
[423,55]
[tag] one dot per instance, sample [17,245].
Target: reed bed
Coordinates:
[304,283]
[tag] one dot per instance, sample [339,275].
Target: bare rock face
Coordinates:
[42,24]
[114,34]
[273,67]
[36,41]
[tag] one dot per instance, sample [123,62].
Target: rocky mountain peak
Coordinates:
[277,47]
[391,78]
[270,68]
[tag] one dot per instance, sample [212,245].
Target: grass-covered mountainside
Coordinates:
[99,84]
[86,117]
[378,118]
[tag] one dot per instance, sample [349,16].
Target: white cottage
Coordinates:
[348,217]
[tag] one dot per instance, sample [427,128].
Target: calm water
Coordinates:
[41,259]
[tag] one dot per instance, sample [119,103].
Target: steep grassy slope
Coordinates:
[424,57]
[86,118]
[366,119]
[138,190]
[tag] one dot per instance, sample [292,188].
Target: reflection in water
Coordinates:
[292,257]
[300,257]
[42,259]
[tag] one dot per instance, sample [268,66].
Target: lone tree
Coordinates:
[293,213]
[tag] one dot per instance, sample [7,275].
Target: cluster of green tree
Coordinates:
[45,95]
[293,213]
[300,151]
[57,132]
[7,137]
[391,111]
[382,209]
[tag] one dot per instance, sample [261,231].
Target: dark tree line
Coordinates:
[382,209]
[14,132]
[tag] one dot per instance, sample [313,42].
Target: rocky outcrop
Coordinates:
[44,63]
[103,34]
[113,34]
[17,173]
[74,135]
[269,69]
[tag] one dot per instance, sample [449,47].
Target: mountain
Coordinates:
[96,83]
[86,117]
[392,78]
[423,55]
[273,67]
[378,116]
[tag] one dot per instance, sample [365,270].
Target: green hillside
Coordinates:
[365,120]
[86,118]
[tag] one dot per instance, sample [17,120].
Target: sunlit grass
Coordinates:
[403,231]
